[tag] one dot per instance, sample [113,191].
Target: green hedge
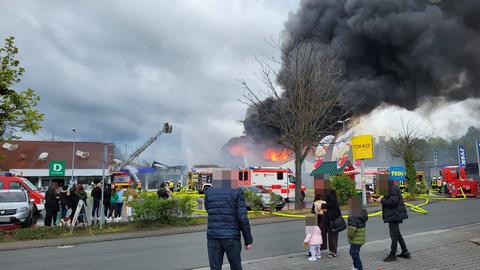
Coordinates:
[345,188]
[253,199]
[148,210]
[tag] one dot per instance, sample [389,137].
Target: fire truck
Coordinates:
[275,179]
[200,179]
[455,178]
[123,179]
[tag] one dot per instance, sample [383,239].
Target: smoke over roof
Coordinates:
[396,52]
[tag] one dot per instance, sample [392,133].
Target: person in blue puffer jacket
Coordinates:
[227,217]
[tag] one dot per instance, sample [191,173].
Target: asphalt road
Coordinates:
[186,251]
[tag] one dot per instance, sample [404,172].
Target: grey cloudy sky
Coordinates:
[116,70]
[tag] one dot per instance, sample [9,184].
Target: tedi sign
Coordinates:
[362,147]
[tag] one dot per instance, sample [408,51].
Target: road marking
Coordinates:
[65,247]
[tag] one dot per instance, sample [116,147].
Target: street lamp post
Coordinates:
[73,155]
[343,123]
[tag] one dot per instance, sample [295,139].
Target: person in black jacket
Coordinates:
[163,193]
[394,212]
[107,196]
[227,217]
[64,201]
[333,212]
[51,205]
[97,197]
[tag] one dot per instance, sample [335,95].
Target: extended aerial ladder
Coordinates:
[119,166]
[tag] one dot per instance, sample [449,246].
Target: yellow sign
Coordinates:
[362,147]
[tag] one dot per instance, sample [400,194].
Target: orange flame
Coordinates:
[238,150]
[276,155]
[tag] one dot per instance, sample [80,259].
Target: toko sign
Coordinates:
[57,168]
[362,147]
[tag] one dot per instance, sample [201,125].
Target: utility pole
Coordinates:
[104,165]
[73,155]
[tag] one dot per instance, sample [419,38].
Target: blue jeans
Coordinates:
[218,247]
[355,254]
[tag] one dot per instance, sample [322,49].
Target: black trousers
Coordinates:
[332,242]
[96,208]
[218,247]
[396,238]
[50,216]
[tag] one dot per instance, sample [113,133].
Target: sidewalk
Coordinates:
[456,248]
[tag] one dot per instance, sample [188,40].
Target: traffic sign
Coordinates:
[57,168]
[362,147]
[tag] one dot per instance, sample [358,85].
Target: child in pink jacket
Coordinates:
[313,238]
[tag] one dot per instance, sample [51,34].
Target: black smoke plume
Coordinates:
[397,52]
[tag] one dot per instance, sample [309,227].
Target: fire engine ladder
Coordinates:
[167,128]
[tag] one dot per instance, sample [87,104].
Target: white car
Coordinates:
[16,208]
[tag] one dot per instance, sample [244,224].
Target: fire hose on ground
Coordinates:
[415,208]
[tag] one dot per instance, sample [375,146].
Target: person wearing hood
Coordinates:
[356,231]
[394,212]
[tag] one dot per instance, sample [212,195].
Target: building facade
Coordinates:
[34,159]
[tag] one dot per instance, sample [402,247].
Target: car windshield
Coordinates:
[29,184]
[7,197]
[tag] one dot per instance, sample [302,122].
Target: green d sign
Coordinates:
[57,168]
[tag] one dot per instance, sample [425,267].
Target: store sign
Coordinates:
[57,168]
[397,173]
[362,147]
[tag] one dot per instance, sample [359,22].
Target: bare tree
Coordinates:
[409,145]
[303,100]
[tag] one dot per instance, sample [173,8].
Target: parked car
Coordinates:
[16,208]
[266,197]
[20,183]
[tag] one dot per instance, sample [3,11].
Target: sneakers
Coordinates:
[404,254]
[332,255]
[390,258]
[318,257]
[312,259]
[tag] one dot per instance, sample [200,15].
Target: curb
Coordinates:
[124,236]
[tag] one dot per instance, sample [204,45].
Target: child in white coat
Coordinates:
[313,238]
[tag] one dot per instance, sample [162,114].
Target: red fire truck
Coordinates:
[275,179]
[455,178]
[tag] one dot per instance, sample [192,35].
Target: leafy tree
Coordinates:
[344,186]
[18,111]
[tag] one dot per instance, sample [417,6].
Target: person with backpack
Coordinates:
[356,232]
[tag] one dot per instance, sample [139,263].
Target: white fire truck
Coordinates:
[275,179]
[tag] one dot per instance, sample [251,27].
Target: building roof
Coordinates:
[38,154]
[330,168]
